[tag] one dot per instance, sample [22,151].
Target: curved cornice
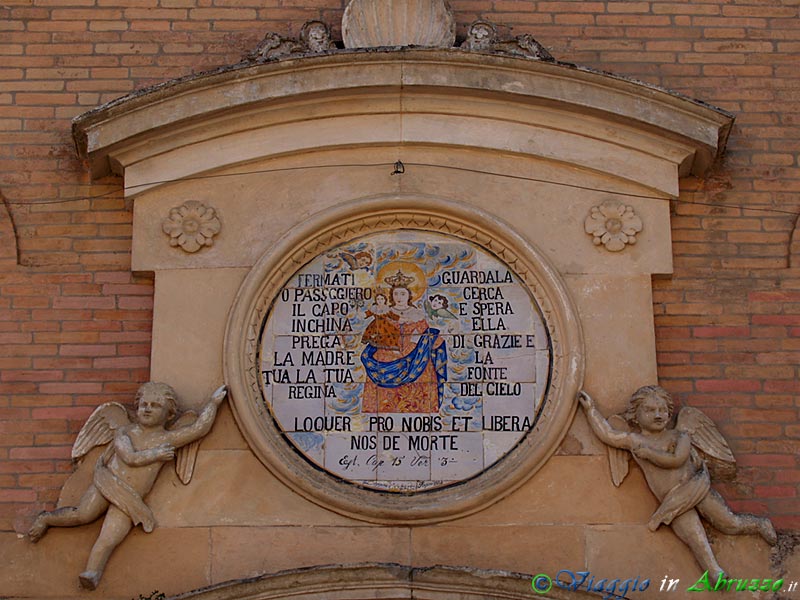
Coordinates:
[535,108]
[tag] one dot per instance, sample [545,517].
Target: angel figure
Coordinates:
[438,307]
[675,462]
[125,473]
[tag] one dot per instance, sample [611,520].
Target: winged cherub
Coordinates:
[675,462]
[125,473]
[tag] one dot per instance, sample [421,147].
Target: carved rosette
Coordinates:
[613,224]
[191,226]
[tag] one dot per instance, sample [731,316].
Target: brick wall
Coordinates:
[75,323]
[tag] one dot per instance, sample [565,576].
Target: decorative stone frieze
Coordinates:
[482,37]
[315,38]
[191,226]
[613,224]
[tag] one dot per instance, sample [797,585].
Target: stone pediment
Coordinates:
[408,96]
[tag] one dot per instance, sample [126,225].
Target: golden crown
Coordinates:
[399,280]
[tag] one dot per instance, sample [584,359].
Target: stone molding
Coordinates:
[544,109]
[388,213]
[368,581]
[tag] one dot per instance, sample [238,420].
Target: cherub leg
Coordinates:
[115,527]
[690,530]
[91,506]
[717,512]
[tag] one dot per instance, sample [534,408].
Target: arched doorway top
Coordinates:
[368,581]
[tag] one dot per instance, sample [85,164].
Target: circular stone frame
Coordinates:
[391,213]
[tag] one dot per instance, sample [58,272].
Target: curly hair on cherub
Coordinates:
[639,396]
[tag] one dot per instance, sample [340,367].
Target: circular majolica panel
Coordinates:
[402,364]
[404,361]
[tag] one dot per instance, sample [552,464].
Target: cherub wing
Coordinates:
[706,437]
[350,259]
[100,427]
[618,459]
[185,456]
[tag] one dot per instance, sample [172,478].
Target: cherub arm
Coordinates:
[139,458]
[202,425]
[607,434]
[668,459]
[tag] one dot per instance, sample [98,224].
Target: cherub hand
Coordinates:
[164,452]
[585,400]
[219,395]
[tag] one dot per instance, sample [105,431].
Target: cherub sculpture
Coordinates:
[125,473]
[675,462]
[481,37]
[316,37]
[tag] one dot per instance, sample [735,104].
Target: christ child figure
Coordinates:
[383,331]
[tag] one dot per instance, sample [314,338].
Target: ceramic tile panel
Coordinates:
[404,361]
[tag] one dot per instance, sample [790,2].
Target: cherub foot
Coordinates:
[39,528]
[767,531]
[89,579]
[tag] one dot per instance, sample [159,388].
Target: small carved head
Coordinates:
[650,407]
[481,35]
[156,403]
[316,36]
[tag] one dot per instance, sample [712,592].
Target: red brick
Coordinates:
[728,385]
[59,452]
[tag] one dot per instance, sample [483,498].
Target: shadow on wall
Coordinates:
[794,245]
[8,236]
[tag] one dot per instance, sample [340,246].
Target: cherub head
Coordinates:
[315,36]
[156,403]
[438,301]
[650,408]
[481,35]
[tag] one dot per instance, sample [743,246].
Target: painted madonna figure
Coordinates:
[137,446]
[675,461]
[405,359]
